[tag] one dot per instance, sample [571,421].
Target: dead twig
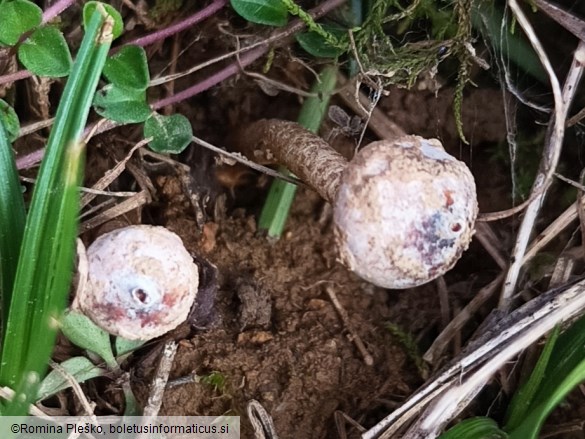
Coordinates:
[469,371]
[353,336]
[261,421]
[159,383]
[551,151]
[456,324]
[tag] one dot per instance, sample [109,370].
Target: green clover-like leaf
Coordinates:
[124,105]
[128,68]
[10,120]
[45,53]
[170,134]
[79,368]
[269,12]
[80,330]
[318,46]
[17,17]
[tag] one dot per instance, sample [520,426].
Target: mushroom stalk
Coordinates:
[403,209]
[306,155]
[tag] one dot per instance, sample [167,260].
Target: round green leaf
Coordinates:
[128,68]
[10,120]
[17,17]
[269,12]
[124,105]
[45,53]
[170,134]
[88,9]
[80,368]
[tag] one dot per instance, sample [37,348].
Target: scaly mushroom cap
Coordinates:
[404,212]
[141,282]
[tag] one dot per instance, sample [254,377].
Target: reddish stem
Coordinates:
[248,57]
[251,54]
[55,9]
[162,34]
[61,5]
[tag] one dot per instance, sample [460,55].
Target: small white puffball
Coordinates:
[141,282]
[404,212]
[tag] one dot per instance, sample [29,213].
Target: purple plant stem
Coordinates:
[206,12]
[61,5]
[235,67]
[30,160]
[246,59]
[16,76]
[55,9]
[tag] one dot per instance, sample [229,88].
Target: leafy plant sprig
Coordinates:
[43,272]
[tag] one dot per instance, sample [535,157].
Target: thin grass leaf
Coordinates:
[532,423]
[12,219]
[475,428]
[281,195]
[524,396]
[565,371]
[46,260]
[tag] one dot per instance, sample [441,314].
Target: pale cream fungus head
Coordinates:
[141,284]
[404,212]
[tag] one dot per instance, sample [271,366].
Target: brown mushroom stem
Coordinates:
[306,155]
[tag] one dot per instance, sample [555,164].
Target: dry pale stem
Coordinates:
[306,155]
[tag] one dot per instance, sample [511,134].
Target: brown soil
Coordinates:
[274,335]
[277,337]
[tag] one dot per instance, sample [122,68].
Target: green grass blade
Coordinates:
[525,395]
[12,218]
[565,371]
[532,423]
[475,428]
[46,260]
[281,194]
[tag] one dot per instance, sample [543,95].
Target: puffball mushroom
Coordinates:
[403,209]
[141,282]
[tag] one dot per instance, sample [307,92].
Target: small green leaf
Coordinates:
[10,120]
[317,46]
[17,17]
[269,12]
[170,134]
[122,105]
[118,22]
[80,369]
[124,346]
[80,330]
[128,68]
[45,53]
